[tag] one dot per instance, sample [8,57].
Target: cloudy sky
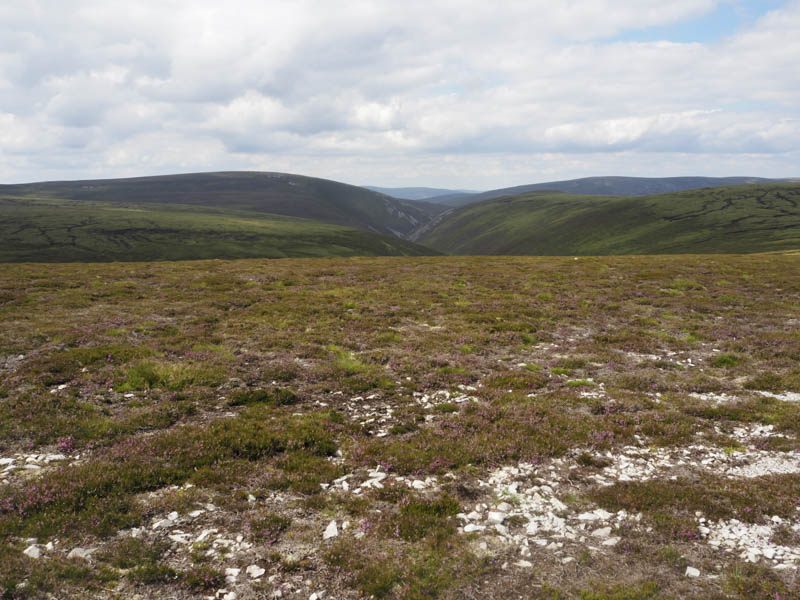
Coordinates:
[451,93]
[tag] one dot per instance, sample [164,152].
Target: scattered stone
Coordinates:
[524,563]
[692,572]
[254,571]
[753,541]
[603,532]
[496,517]
[331,531]
[162,523]
[83,553]
[33,551]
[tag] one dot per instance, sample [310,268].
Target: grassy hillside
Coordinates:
[616,186]
[51,230]
[274,193]
[737,219]
[474,428]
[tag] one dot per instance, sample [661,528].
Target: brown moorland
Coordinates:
[592,428]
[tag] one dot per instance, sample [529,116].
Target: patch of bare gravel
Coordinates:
[19,466]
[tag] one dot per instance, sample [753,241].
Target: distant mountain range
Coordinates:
[616,186]
[419,193]
[252,214]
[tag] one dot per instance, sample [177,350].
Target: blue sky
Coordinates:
[468,95]
[725,20]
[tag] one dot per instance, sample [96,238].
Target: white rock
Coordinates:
[162,523]
[83,553]
[602,533]
[524,563]
[692,572]
[331,531]
[471,527]
[173,516]
[32,551]
[496,516]
[254,571]
[181,538]
[611,541]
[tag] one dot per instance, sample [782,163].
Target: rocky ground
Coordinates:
[461,429]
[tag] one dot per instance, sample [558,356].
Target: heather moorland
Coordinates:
[441,427]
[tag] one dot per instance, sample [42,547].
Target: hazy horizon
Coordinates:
[401,186]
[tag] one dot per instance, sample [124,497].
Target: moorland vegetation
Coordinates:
[429,427]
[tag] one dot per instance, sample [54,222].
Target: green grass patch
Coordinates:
[146,375]
[725,360]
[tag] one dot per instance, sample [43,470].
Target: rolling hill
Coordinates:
[274,193]
[57,230]
[736,219]
[616,186]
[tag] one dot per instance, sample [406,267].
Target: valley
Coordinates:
[274,215]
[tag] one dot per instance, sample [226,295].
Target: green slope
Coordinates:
[53,230]
[605,186]
[274,193]
[746,218]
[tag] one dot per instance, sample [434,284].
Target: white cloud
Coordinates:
[424,91]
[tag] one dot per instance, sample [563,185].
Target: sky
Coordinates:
[448,93]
